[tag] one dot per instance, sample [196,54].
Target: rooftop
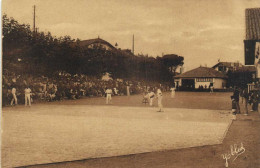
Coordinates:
[228,64]
[84,43]
[250,68]
[236,66]
[253,24]
[202,72]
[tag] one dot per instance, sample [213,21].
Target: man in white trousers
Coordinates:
[108,95]
[27,93]
[159,97]
[172,92]
[151,95]
[14,99]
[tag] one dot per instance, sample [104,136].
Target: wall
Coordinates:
[218,83]
[197,84]
[249,48]
[177,80]
[203,82]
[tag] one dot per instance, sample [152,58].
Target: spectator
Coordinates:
[255,100]
[245,96]
[236,98]
[63,85]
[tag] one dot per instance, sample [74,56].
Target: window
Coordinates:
[204,80]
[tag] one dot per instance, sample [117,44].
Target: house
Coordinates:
[235,67]
[201,76]
[238,74]
[93,43]
[100,43]
[251,43]
[227,66]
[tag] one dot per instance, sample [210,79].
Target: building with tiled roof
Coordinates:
[225,67]
[247,68]
[253,24]
[98,42]
[201,76]
[252,34]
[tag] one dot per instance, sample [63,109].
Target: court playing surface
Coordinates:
[47,133]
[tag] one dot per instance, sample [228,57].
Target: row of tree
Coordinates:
[39,53]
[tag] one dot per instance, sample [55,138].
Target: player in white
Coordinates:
[27,93]
[128,90]
[172,92]
[151,95]
[115,91]
[159,97]
[14,99]
[109,95]
[211,89]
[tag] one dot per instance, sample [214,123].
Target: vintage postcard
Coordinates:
[130,83]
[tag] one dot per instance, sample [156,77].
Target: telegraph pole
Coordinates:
[133,48]
[34,7]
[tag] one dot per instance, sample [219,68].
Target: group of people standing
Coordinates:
[61,86]
[150,95]
[246,97]
[27,96]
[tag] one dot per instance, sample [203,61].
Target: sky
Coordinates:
[202,31]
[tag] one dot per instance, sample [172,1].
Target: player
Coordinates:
[234,107]
[27,93]
[159,97]
[14,99]
[108,95]
[128,90]
[211,89]
[115,91]
[151,96]
[172,92]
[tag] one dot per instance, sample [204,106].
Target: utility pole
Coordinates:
[133,48]
[34,18]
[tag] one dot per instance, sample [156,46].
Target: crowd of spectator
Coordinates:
[65,86]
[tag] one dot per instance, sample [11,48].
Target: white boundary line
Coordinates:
[225,133]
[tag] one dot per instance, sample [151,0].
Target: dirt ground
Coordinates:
[245,130]
[191,100]
[39,135]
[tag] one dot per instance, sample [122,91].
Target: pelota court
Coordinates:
[86,128]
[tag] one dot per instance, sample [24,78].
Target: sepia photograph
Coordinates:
[130,84]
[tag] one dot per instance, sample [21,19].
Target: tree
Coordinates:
[172,61]
[25,52]
[16,38]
